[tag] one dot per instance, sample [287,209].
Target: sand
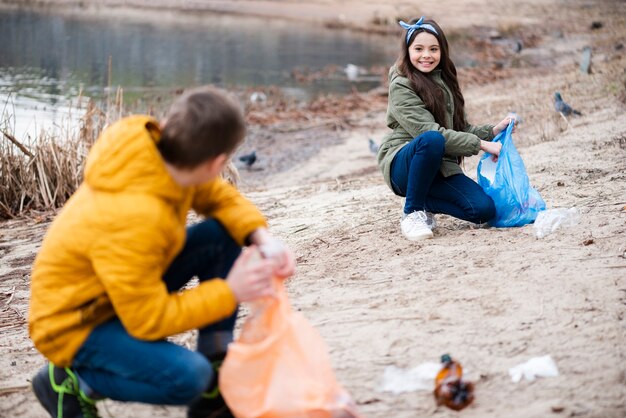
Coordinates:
[493,298]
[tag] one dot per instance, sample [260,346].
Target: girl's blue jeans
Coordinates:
[415,174]
[115,365]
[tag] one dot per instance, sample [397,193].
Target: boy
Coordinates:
[105,284]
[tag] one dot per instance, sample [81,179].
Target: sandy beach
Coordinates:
[491,297]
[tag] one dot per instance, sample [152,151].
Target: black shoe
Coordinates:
[58,392]
[211,404]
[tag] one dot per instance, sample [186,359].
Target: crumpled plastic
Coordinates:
[548,221]
[535,367]
[421,377]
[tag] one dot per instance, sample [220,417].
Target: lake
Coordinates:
[47,61]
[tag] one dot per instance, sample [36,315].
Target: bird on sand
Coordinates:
[562,107]
[248,159]
[373,146]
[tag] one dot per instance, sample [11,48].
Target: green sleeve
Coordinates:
[483,131]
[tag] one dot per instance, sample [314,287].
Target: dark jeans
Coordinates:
[118,366]
[415,174]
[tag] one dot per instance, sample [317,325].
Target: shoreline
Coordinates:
[170,12]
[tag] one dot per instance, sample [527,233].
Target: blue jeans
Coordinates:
[116,365]
[415,174]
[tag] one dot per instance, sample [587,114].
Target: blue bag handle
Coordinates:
[505,133]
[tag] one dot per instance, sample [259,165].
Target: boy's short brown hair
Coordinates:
[201,124]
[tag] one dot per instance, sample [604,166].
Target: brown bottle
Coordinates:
[450,389]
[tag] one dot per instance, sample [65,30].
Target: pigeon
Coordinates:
[248,159]
[562,107]
[373,146]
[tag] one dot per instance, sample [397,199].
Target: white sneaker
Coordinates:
[430,217]
[414,226]
[431,221]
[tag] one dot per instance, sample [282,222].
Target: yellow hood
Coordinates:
[125,158]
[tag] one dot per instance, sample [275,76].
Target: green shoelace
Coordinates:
[216,390]
[70,386]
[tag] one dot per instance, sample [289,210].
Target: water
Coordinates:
[47,61]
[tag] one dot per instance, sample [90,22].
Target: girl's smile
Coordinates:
[424,52]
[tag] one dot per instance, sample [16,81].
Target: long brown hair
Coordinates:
[425,87]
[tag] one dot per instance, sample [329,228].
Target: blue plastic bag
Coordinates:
[506,182]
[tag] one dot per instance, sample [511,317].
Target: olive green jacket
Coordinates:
[408,117]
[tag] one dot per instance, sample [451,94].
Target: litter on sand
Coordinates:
[535,367]
[548,221]
[422,377]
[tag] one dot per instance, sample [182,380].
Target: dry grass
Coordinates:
[42,175]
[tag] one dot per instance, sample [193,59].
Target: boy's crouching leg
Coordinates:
[210,403]
[59,393]
[189,382]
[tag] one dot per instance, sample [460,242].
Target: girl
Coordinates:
[420,158]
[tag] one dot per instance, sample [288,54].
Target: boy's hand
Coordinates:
[273,248]
[250,277]
[283,257]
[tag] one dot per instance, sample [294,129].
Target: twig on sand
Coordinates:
[611,204]
[11,298]
[12,389]
[321,240]
[302,228]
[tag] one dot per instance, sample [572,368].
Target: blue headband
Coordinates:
[417,25]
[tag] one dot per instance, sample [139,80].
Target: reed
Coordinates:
[42,175]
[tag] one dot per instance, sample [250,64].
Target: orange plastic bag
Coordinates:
[279,367]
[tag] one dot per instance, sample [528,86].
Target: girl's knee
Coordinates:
[433,140]
[485,211]
[435,136]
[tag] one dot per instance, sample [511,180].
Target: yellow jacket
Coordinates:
[107,250]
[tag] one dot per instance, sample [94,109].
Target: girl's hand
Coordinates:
[492,148]
[504,123]
[250,277]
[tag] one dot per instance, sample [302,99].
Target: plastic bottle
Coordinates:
[450,389]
